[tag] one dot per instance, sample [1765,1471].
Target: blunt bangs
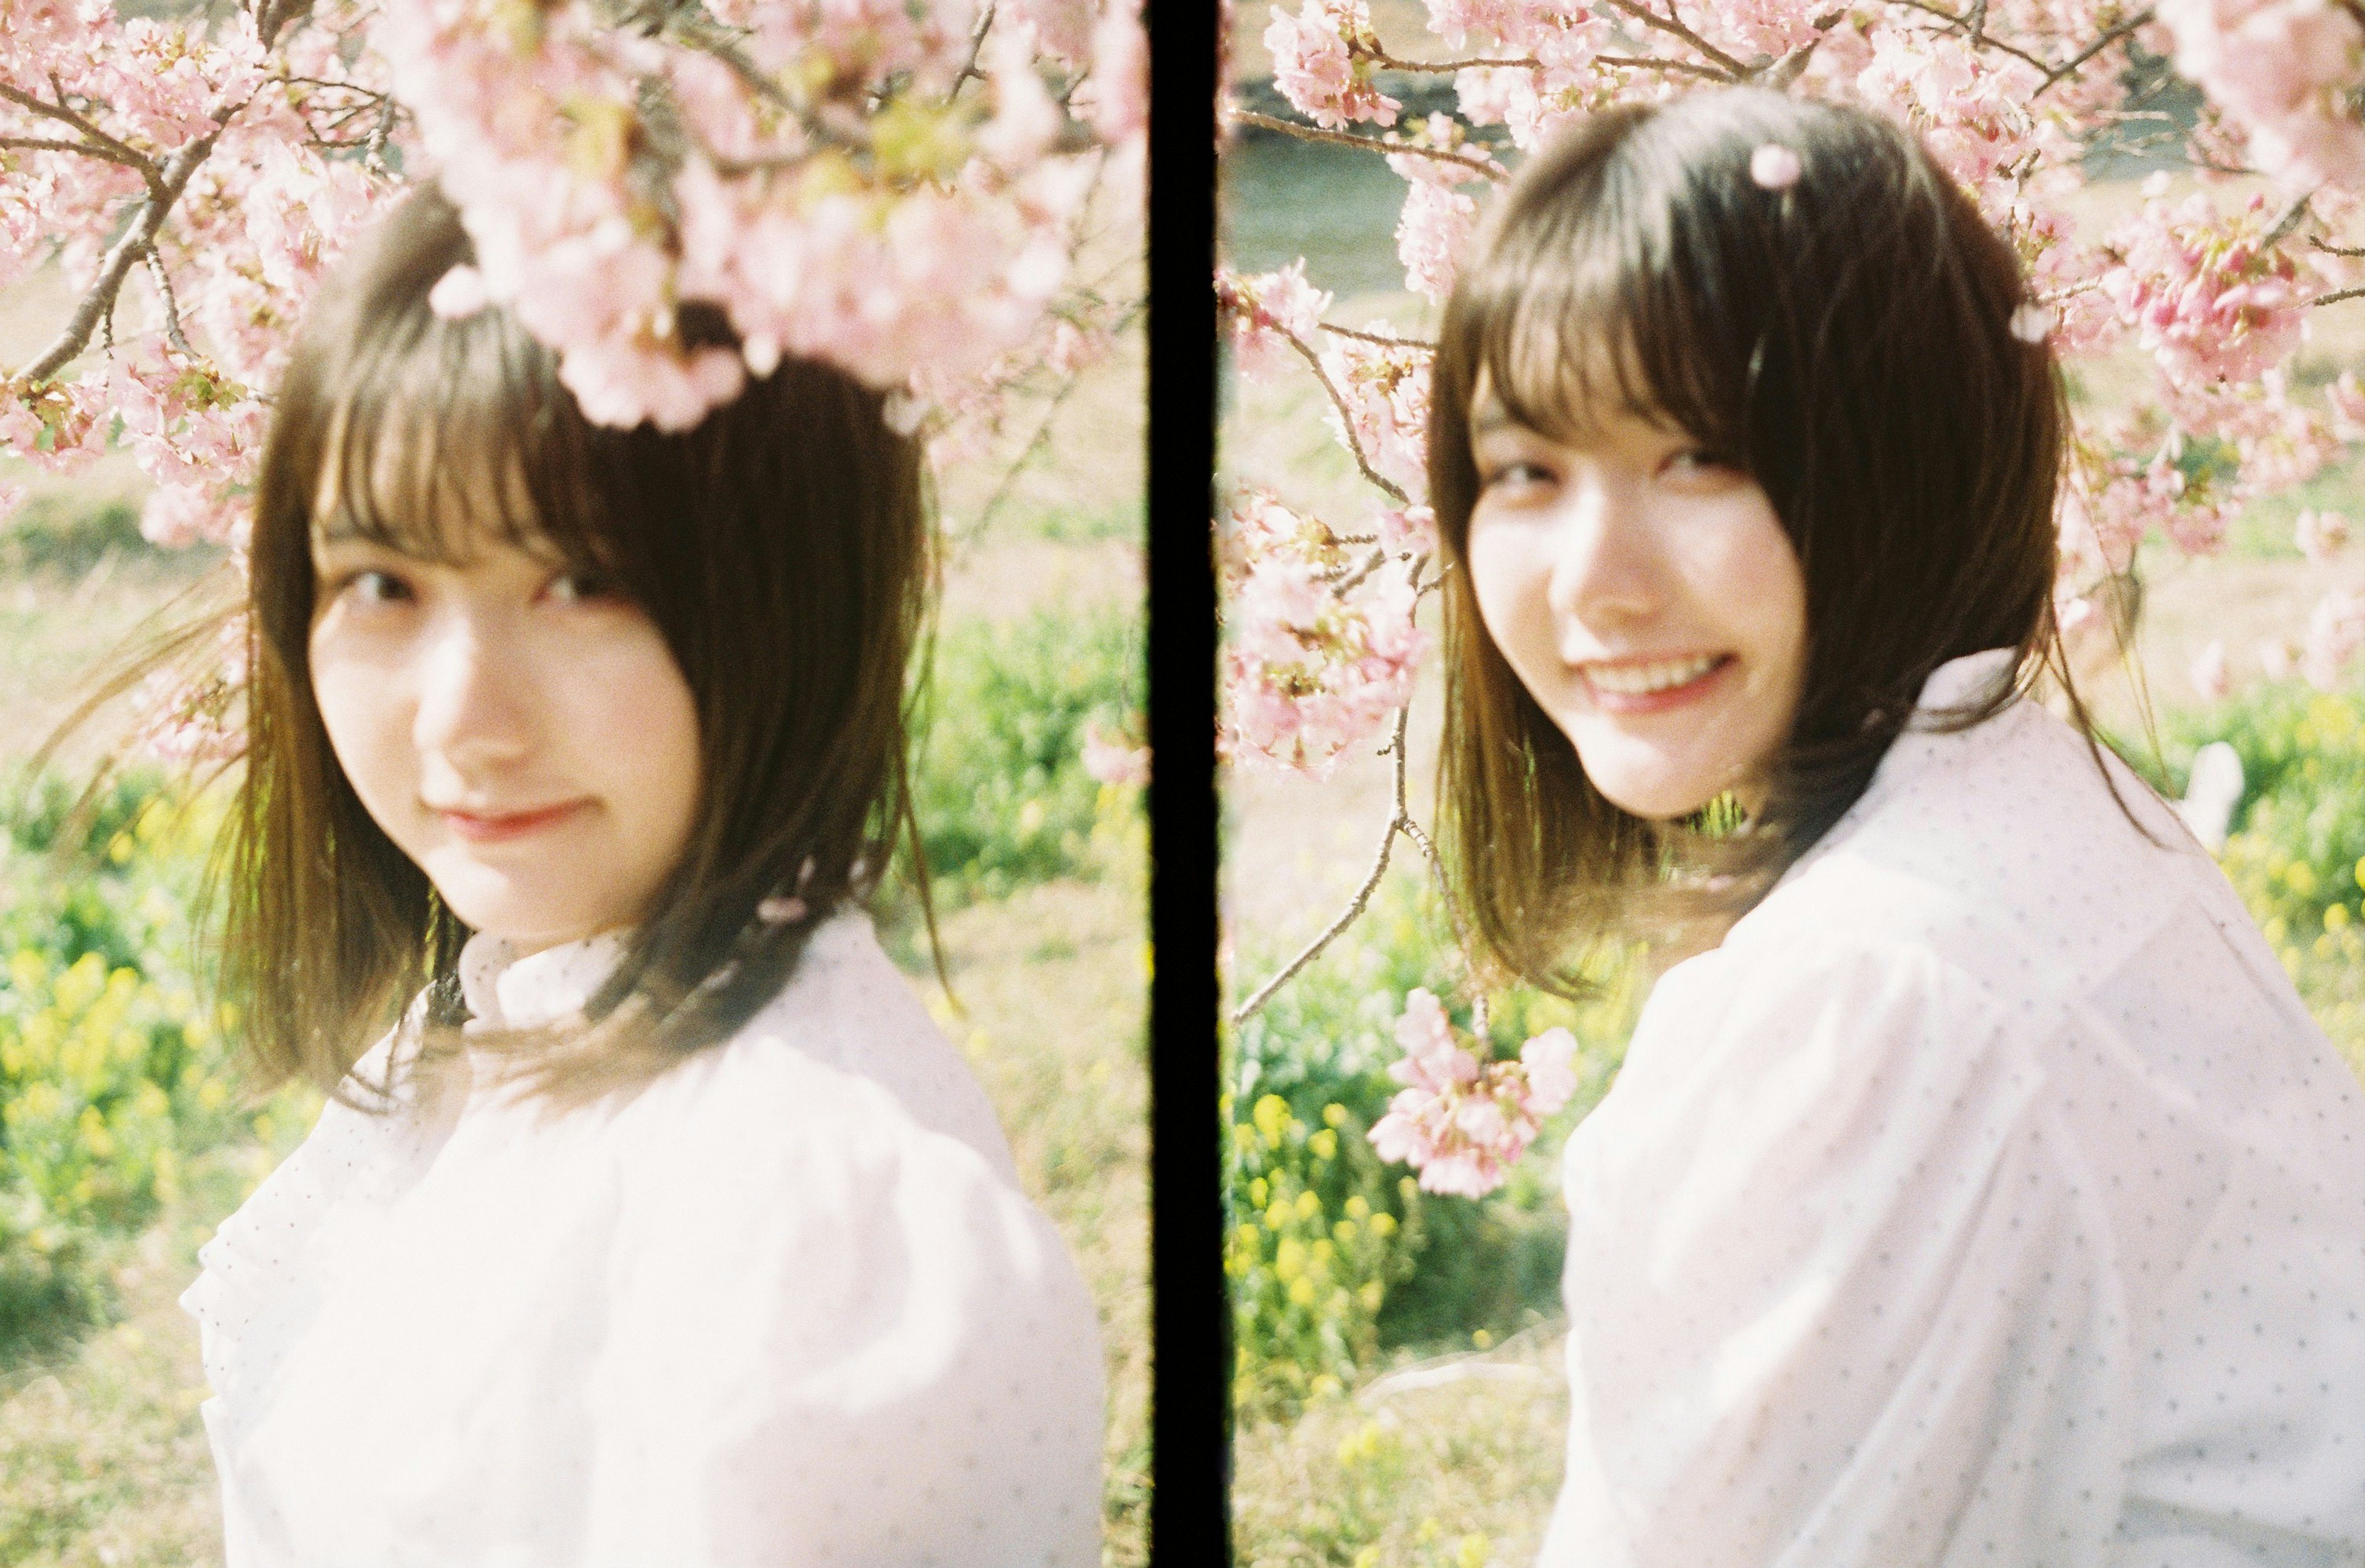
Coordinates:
[1606,302]
[443,434]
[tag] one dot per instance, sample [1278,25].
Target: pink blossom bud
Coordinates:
[2320,535]
[1773,166]
[459,293]
[2208,676]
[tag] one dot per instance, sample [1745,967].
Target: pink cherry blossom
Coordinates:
[1461,1121]
[1265,312]
[1113,760]
[2287,71]
[1432,233]
[1321,63]
[2210,304]
[2320,535]
[2335,629]
[1308,670]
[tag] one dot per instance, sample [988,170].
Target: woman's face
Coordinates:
[1646,594]
[521,731]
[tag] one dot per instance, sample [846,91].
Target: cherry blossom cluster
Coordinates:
[2289,70]
[1321,645]
[826,174]
[1462,1119]
[895,186]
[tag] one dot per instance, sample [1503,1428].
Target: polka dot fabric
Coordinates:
[785,1306]
[1988,1198]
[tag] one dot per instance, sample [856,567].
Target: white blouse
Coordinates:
[785,1305]
[1988,1198]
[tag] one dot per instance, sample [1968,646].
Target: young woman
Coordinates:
[1980,1191]
[664,1227]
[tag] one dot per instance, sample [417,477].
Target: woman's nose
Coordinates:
[1604,568]
[475,708]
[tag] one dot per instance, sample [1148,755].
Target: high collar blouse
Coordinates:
[784,1305]
[1987,1197]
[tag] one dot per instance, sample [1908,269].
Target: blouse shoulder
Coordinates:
[2007,849]
[836,1203]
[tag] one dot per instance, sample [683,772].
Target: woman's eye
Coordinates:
[376,587]
[576,587]
[1513,475]
[1698,461]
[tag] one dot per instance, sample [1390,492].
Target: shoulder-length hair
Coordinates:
[1851,339]
[784,548]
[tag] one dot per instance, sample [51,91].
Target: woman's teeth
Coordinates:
[1641,681]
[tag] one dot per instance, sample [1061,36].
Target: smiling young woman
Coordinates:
[1975,1189]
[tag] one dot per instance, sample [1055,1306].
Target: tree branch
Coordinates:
[1315,133]
[1346,418]
[1984,41]
[969,71]
[1674,28]
[172,303]
[139,238]
[1655,62]
[1399,819]
[2337,296]
[44,144]
[1380,338]
[2288,219]
[2069,66]
[101,144]
[1447,67]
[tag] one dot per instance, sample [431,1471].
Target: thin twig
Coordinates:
[1655,62]
[1674,28]
[2336,249]
[2288,219]
[1447,67]
[2069,66]
[2337,296]
[1346,418]
[969,71]
[1382,339]
[1350,578]
[172,303]
[1952,20]
[44,144]
[1315,133]
[1398,820]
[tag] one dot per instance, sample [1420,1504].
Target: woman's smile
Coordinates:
[1653,685]
[488,826]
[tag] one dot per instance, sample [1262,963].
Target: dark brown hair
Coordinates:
[784,550]
[1849,341]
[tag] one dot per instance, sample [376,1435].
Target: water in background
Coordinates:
[1283,198]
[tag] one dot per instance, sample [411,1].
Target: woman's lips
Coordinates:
[1661,698]
[500,827]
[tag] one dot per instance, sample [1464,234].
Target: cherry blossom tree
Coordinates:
[2009,96]
[898,188]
